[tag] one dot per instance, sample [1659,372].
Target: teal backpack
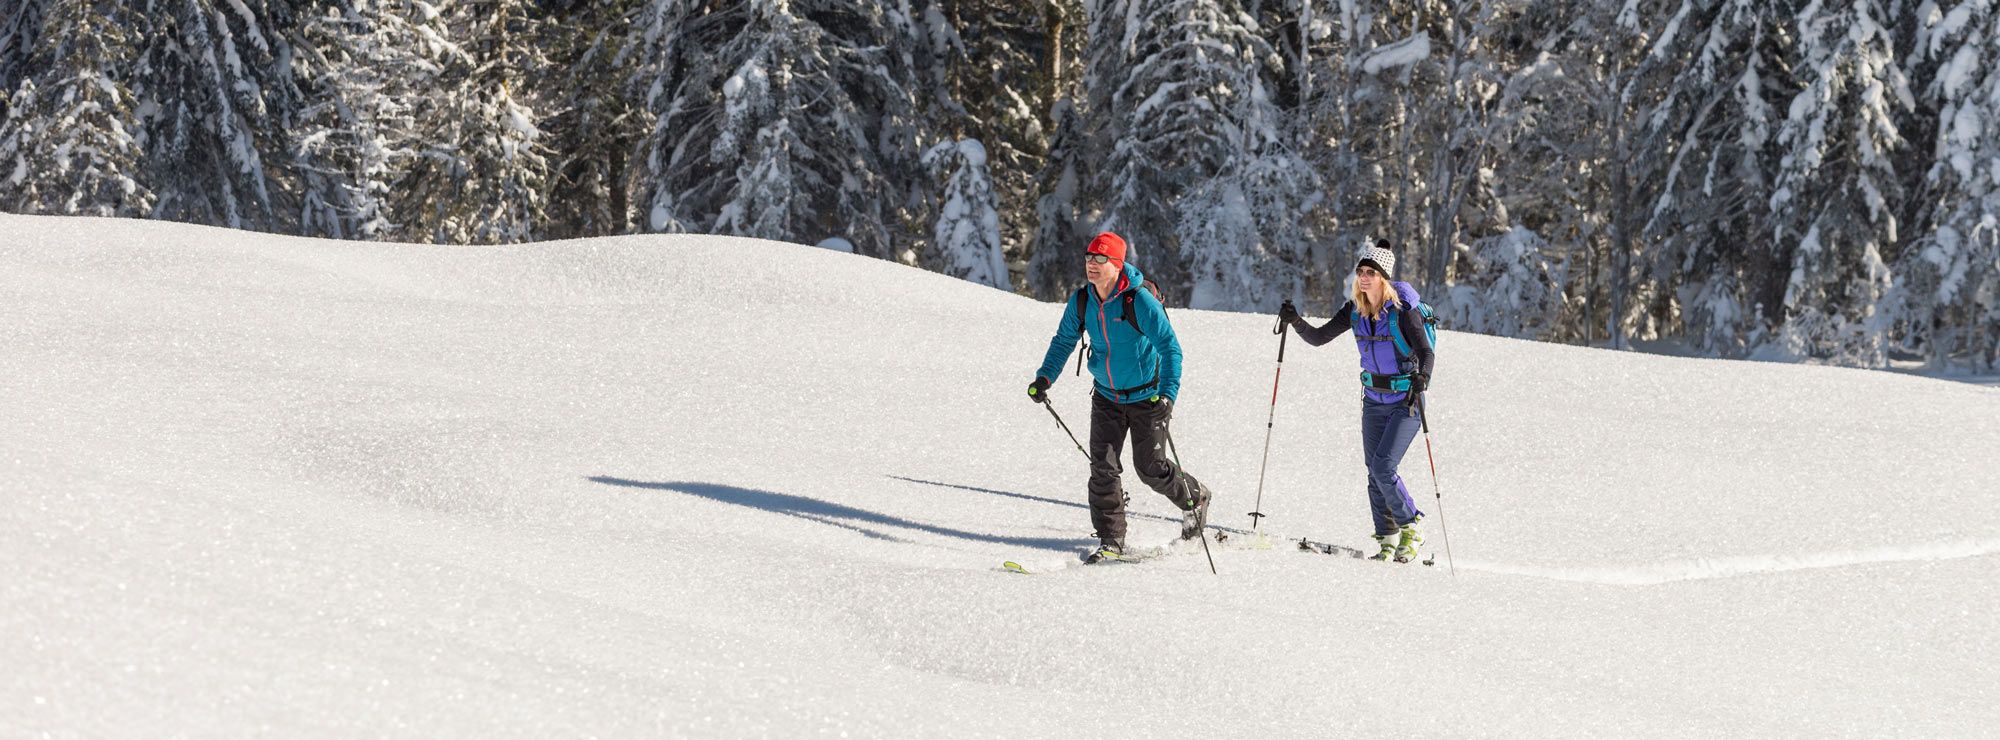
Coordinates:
[1424,310]
[1399,382]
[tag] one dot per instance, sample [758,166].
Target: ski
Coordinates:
[1182,547]
[1328,548]
[1132,555]
[1325,548]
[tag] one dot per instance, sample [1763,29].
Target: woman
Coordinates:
[1392,381]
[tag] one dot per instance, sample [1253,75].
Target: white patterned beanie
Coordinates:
[1380,258]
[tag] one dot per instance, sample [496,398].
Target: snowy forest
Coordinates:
[1778,179]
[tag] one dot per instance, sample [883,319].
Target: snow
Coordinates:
[973,152]
[711,487]
[1666,38]
[1959,72]
[1405,53]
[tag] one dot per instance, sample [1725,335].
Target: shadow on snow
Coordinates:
[838,515]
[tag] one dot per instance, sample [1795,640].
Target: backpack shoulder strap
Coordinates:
[1082,302]
[1396,332]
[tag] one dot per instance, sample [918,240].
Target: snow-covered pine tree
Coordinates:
[966,242]
[1252,229]
[1838,193]
[1348,119]
[1946,301]
[595,121]
[1454,124]
[992,88]
[67,144]
[364,65]
[1195,174]
[1506,286]
[495,126]
[20,24]
[1711,144]
[218,99]
[1571,157]
[1054,270]
[768,114]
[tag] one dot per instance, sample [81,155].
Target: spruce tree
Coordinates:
[67,145]
[595,119]
[966,242]
[1946,300]
[1838,195]
[1195,173]
[215,84]
[770,122]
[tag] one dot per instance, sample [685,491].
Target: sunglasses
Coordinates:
[1096,259]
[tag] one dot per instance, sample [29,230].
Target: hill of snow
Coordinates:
[703,486]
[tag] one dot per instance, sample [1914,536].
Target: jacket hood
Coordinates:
[1133,277]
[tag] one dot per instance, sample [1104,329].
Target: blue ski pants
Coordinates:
[1386,432]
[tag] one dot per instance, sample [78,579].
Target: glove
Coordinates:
[1288,314]
[1038,391]
[1165,406]
[1418,382]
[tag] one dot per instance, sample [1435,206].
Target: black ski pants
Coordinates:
[1146,421]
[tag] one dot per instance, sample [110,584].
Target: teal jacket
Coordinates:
[1129,365]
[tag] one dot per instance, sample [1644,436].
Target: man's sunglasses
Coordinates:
[1097,259]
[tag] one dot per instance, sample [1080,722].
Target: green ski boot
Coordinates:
[1407,541]
[1388,548]
[1105,552]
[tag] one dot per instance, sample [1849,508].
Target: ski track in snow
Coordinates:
[1701,569]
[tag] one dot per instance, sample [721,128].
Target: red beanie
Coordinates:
[1109,245]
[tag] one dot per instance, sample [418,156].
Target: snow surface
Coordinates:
[700,486]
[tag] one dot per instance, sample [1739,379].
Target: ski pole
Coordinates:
[1065,427]
[1424,417]
[1171,447]
[1257,512]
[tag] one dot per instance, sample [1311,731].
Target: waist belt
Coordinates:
[1134,389]
[1398,383]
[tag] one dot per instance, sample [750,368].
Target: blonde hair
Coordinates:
[1372,305]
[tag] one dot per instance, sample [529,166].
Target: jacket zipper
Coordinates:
[1105,329]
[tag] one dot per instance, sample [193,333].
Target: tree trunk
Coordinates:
[621,200]
[1054,21]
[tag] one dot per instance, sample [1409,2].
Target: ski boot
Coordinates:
[1388,548]
[1106,551]
[1407,541]
[1194,517]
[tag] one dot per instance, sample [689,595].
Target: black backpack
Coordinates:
[1082,298]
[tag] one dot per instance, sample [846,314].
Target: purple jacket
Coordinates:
[1378,356]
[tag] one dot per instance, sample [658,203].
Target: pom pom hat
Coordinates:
[1380,258]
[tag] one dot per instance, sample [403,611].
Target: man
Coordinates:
[1136,362]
